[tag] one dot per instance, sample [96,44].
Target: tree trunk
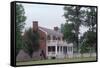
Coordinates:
[77,27]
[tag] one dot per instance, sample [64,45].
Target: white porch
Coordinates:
[59,49]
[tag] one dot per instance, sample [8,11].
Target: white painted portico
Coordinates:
[59,49]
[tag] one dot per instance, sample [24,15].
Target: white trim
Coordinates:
[43,31]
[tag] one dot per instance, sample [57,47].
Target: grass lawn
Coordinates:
[57,61]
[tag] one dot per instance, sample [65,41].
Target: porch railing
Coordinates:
[57,42]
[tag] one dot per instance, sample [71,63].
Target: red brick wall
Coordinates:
[42,42]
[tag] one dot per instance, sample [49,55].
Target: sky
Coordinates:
[47,16]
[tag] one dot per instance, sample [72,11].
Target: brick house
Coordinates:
[51,42]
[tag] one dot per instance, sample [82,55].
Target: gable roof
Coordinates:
[52,32]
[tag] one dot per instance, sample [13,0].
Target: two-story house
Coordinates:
[52,43]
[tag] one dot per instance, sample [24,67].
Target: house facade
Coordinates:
[52,43]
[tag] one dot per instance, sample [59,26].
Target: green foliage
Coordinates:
[31,41]
[73,19]
[67,30]
[88,42]
[91,18]
[89,39]
[84,48]
[20,18]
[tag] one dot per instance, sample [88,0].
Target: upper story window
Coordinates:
[59,38]
[48,37]
[54,38]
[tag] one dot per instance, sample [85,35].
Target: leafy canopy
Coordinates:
[31,41]
[20,19]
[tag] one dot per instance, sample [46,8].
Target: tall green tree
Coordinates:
[88,42]
[73,15]
[31,41]
[20,19]
[89,37]
[91,18]
[78,15]
[68,32]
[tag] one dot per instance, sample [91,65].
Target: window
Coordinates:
[58,48]
[48,37]
[51,48]
[58,38]
[54,38]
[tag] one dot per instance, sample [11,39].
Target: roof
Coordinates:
[52,32]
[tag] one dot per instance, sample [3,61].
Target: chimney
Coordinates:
[35,25]
[56,28]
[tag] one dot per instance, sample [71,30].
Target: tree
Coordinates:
[90,35]
[91,18]
[78,15]
[67,30]
[84,48]
[73,15]
[88,42]
[20,19]
[31,41]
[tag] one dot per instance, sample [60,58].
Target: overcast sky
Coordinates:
[47,16]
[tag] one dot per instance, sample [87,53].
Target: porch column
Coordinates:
[56,49]
[46,50]
[62,49]
[72,49]
[67,49]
